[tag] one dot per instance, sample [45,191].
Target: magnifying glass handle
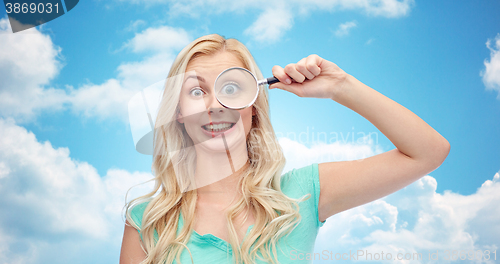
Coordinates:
[272,80]
[268,81]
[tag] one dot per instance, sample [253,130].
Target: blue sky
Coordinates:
[68,83]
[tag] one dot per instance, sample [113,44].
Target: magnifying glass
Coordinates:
[237,88]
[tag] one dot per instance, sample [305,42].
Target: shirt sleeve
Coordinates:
[136,214]
[307,179]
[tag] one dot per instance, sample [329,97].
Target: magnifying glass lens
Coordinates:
[236,88]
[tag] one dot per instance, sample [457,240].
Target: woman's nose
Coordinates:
[213,104]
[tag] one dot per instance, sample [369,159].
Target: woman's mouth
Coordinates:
[218,128]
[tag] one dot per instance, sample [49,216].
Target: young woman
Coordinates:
[220,196]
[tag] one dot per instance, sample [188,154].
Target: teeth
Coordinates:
[218,127]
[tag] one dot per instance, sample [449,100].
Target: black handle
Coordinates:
[272,80]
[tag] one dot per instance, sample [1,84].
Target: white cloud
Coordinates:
[53,205]
[415,219]
[29,60]
[32,52]
[344,28]
[140,74]
[297,155]
[418,220]
[56,204]
[106,100]
[270,26]
[385,8]
[491,73]
[110,99]
[276,17]
[161,40]
[135,25]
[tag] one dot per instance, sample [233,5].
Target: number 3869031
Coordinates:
[31,8]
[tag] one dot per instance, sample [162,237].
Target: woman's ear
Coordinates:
[254,111]
[180,119]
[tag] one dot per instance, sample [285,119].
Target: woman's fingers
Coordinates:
[306,68]
[291,70]
[303,68]
[312,76]
[279,73]
[285,81]
[312,64]
[293,75]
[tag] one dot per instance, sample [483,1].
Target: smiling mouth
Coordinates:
[218,127]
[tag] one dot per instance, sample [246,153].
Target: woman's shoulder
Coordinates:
[137,212]
[300,181]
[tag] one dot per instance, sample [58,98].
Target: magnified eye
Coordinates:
[231,88]
[196,92]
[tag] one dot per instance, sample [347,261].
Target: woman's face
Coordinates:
[204,118]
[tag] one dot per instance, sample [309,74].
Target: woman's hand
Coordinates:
[312,77]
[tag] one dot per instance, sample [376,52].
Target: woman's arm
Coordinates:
[419,148]
[132,252]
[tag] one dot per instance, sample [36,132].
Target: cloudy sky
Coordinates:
[67,155]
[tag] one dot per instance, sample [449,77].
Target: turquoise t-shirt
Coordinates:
[206,249]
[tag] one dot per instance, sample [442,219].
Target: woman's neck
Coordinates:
[223,191]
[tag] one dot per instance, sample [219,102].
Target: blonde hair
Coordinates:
[275,214]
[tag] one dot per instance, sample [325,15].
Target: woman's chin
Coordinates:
[213,145]
[219,145]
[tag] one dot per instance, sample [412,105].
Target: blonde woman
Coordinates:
[206,209]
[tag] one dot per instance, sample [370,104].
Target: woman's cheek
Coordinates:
[191,106]
[246,117]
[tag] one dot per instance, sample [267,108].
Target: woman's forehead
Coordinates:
[215,62]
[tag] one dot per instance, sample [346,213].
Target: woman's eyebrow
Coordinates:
[199,78]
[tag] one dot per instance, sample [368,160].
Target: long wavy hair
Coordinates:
[275,214]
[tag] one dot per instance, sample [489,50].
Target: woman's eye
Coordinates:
[230,89]
[196,92]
